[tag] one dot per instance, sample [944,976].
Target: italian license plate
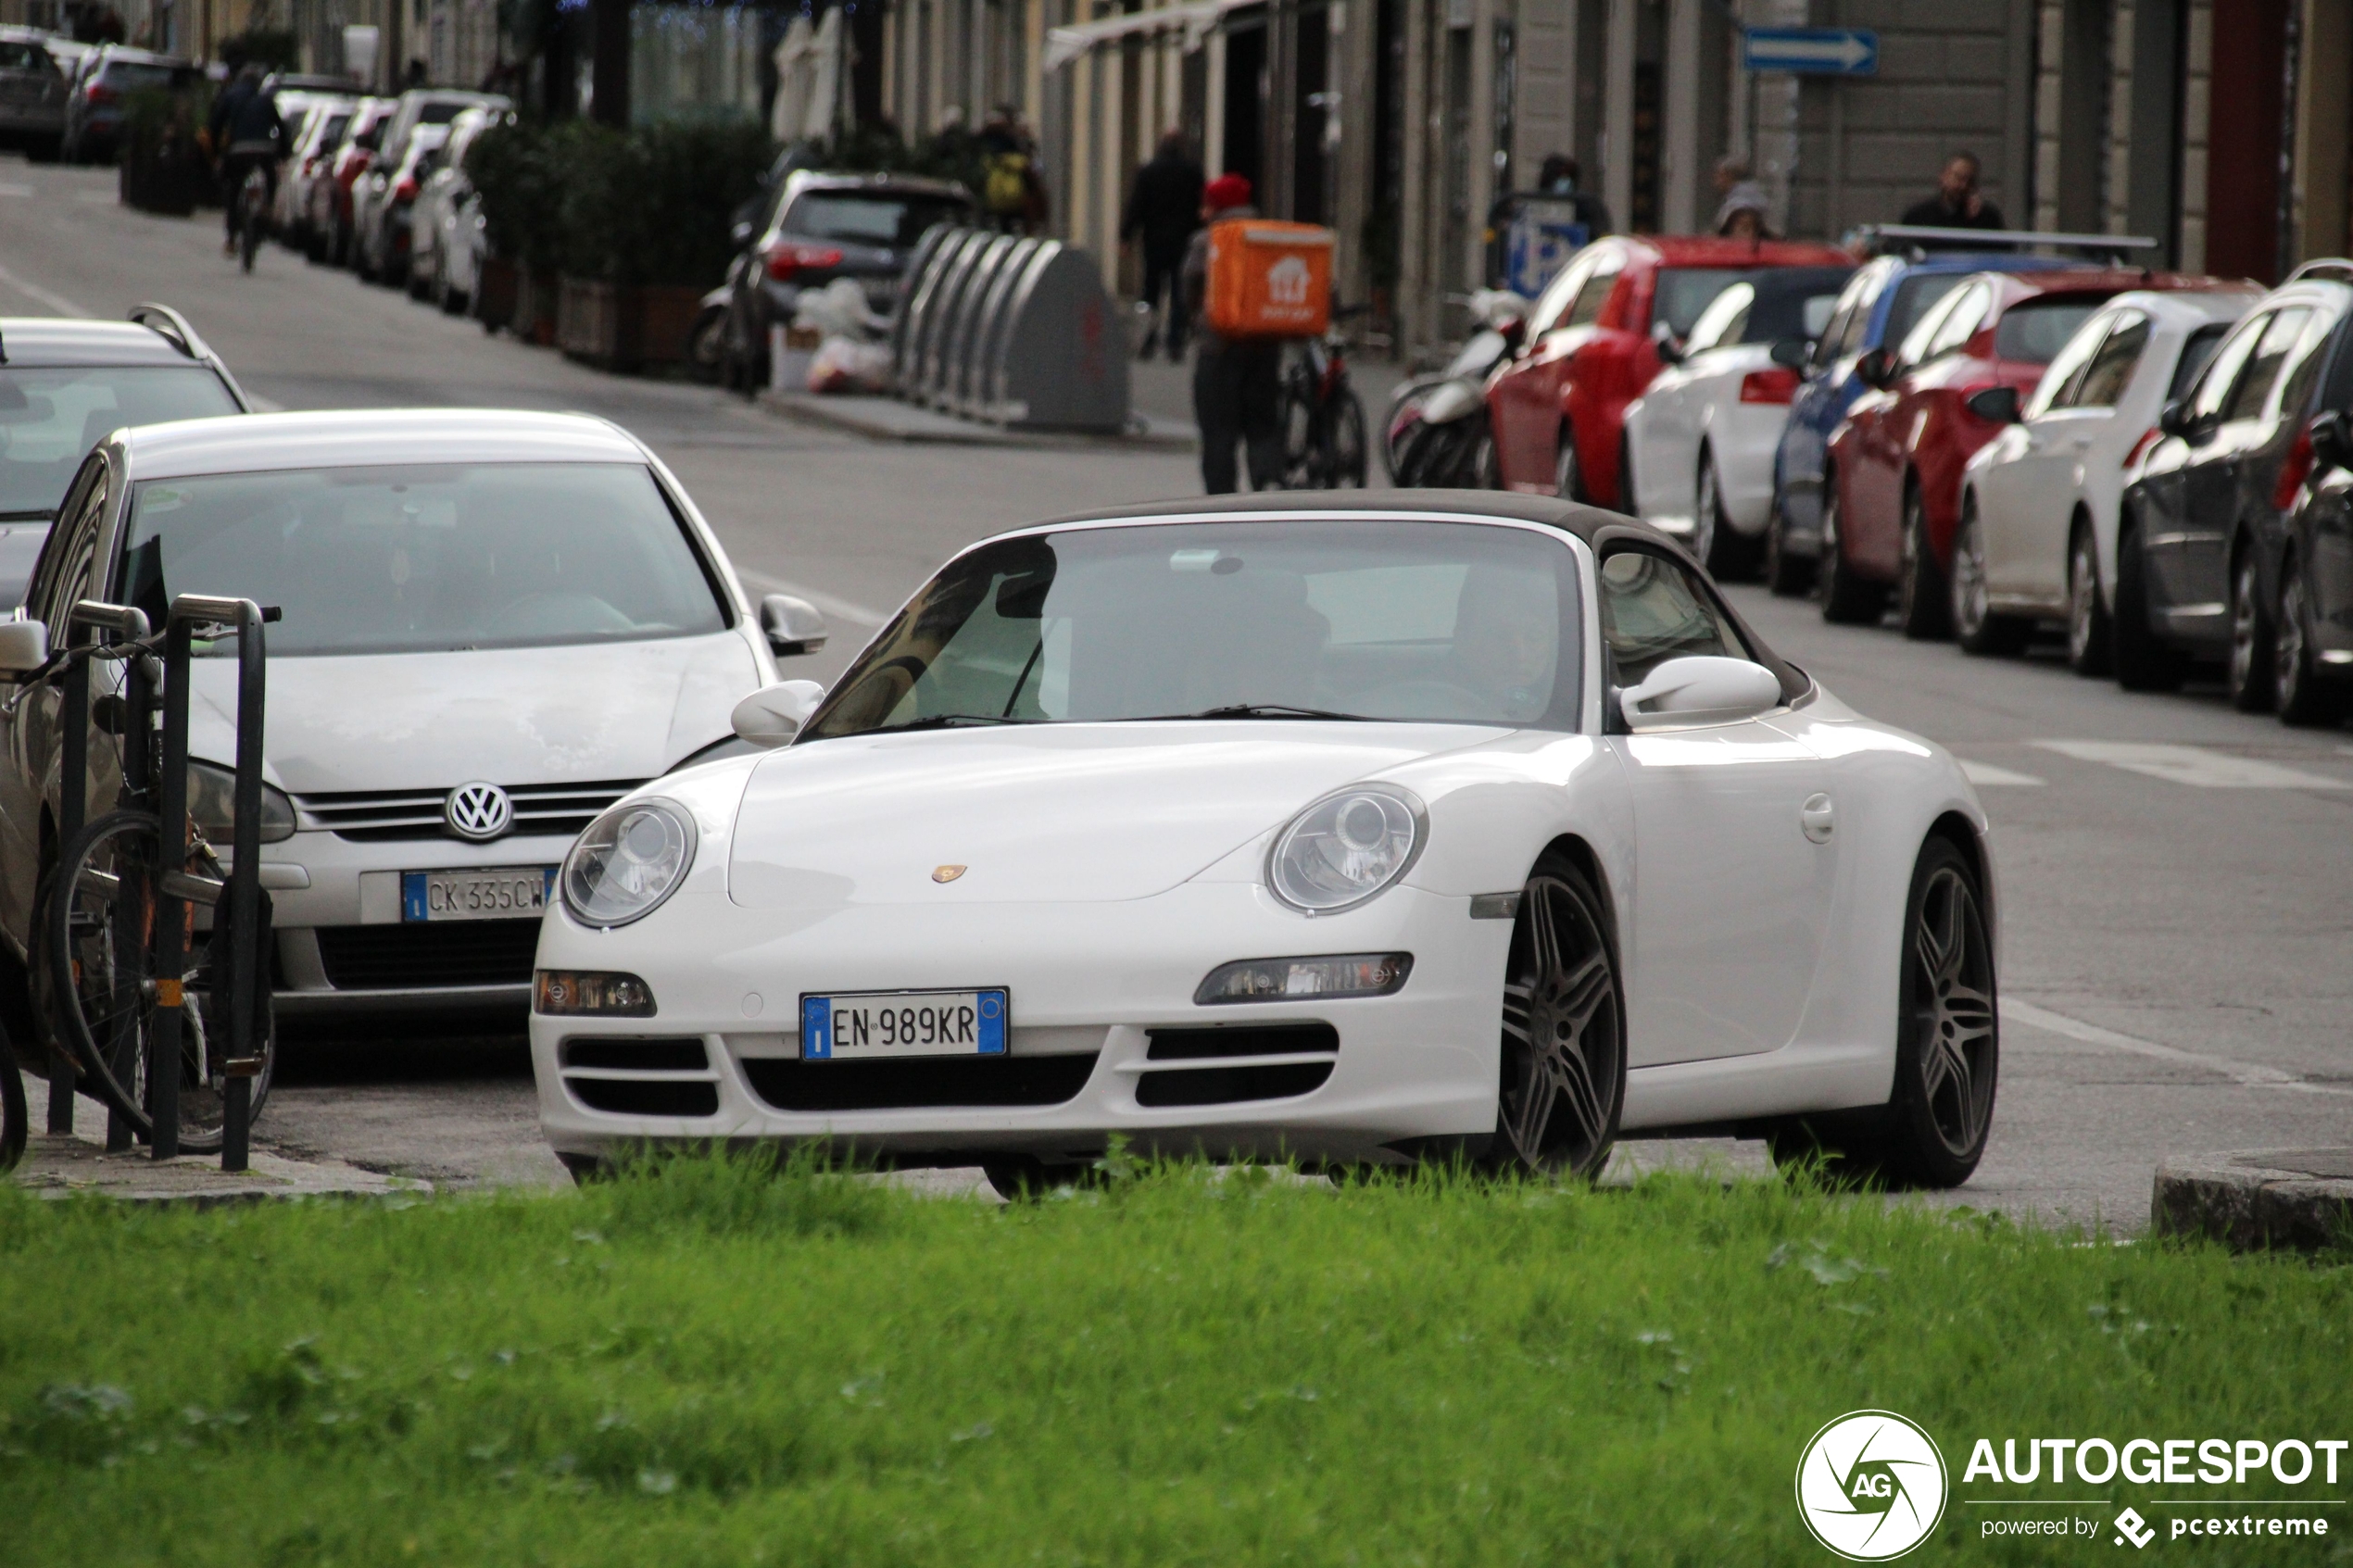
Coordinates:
[489,893]
[865,1025]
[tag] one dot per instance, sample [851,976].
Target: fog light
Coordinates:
[1283,980]
[572,993]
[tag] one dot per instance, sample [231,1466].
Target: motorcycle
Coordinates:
[1435,435]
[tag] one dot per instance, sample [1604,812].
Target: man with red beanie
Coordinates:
[1237,382]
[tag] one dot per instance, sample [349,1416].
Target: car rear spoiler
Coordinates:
[1884,239]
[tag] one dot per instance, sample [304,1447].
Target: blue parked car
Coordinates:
[1881,303]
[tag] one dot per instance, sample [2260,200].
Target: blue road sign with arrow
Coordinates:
[1811,51]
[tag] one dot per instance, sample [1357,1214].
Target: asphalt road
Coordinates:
[2176,879]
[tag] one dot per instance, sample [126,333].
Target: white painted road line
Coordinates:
[841,610]
[2196,765]
[40,296]
[2248,1075]
[15,190]
[1985,775]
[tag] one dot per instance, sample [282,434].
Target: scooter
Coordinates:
[1435,433]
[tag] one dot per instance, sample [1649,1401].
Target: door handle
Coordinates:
[1816,817]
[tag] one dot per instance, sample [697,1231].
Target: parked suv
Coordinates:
[2205,532]
[32,94]
[814,227]
[2313,642]
[94,110]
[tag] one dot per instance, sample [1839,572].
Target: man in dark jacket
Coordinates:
[1237,382]
[1957,204]
[1163,209]
[246,135]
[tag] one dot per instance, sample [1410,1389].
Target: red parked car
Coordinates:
[1891,497]
[1557,410]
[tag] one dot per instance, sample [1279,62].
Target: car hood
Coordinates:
[1062,812]
[513,716]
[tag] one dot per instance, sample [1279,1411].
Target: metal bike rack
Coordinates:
[244,952]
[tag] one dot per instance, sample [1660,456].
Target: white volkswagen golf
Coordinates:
[1455,822]
[496,625]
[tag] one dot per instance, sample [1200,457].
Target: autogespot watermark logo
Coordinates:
[1870,1486]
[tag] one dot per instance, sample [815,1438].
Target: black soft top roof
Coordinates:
[1597,527]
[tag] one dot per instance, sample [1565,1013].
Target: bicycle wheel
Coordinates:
[1345,457]
[100,920]
[249,232]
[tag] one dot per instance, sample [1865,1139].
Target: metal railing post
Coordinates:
[136,708]
[172,910]
[74,792]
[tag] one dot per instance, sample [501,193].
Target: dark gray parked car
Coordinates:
[94,107]
[32,94]
[813,227]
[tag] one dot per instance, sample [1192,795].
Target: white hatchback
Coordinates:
[2037,533]
[1700,439]
[496,625]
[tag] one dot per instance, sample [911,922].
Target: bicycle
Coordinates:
[96,930]
[1323,421]
[253,198]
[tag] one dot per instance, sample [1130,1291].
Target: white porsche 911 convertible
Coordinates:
[1440,825]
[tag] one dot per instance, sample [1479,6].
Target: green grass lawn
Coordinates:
[706,1365]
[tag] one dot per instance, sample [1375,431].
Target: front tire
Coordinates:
[2254,640]
[2089,634]
[1728,557]
[1786,576]
[1923,601]
[1562,1081]
[1976,627]
[2305,697]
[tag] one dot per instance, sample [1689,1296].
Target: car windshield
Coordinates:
[429,558]
[129,77]
[51,417]
[864,217]
[2035,330]
[1915,298]
[1417,620]
[15,55]
[1790,302]
[2196,352]
[1683,293]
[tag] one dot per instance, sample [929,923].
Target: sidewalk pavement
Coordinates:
[2279,1198]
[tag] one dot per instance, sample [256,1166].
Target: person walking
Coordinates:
[1237,382]
[1745,211]
[1163,209]
[1957,204]
[246,135]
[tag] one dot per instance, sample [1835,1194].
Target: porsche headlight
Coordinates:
[628,862]
[212,801]
[1346,847]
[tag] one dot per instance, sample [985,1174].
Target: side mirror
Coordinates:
[1793,354]
[2174,417]
[1663,341]
[739,234]
[1994,405]
[794,626]
[1700,689]
[2332,442]
[772,715]
[1876,369]
[24,647]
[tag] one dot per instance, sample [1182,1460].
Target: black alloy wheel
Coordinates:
[1563,1082]
[2088,632]
[1729,556]
[2141,662]
[1787,576]
[1847,598]
[2254,652]
[1931,1132]
[1923,602]
[2305,697]
[1976,626]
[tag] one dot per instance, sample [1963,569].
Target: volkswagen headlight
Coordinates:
[1346,847]
[628,862]
[212,802]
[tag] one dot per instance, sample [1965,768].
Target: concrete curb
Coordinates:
[2300,1198]
[57,1167]
[888,419]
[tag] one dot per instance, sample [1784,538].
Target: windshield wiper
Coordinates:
[1264,711]
[945,721]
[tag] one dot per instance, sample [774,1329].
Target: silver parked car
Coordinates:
[32,94]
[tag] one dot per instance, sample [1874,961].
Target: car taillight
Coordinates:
[1778,384]
[405,192]
[2294,468]
[99,92]
[2140,449]
[786,262]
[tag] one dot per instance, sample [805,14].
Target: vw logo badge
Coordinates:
[479,812]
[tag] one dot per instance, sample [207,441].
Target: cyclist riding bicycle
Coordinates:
[247,135]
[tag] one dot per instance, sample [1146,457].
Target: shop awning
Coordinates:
[1194,17]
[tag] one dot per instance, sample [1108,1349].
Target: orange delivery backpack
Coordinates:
[1268,279]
